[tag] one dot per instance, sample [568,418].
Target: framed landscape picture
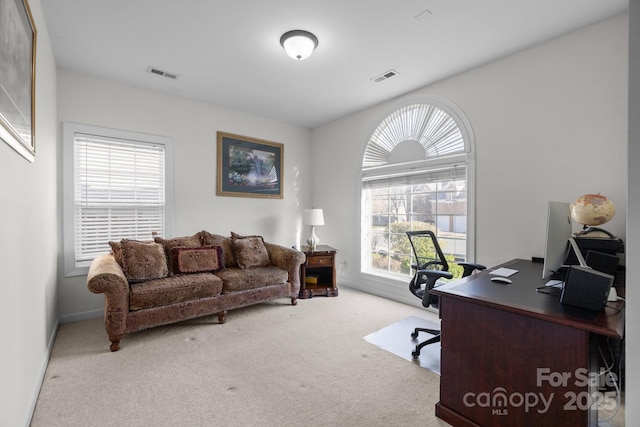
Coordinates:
[17,77]
[249,167]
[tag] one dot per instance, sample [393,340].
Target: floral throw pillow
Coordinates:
[142,260]
[251,252]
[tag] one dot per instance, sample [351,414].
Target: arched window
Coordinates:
[417,172]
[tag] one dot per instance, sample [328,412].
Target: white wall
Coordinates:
[193,126]
[632,411]
[550,123]
[28,226]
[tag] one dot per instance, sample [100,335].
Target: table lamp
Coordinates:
[313,217]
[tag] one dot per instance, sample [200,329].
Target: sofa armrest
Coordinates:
[288,259]
[106,277]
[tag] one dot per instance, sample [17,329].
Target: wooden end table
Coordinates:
[320,268]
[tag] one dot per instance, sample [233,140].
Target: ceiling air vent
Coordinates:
[384,76]
[424,14]
[163,73]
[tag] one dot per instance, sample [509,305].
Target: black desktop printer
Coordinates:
[596,240]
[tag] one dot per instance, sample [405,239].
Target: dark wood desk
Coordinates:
[512,356]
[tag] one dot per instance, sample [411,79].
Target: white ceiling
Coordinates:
[227,52]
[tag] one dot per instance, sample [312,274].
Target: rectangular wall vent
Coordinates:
[384,76]
[163,73]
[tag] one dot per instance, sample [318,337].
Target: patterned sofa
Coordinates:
[158,282]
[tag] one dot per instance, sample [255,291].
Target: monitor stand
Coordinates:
[578,253]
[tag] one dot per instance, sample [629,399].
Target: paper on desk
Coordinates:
[554,283]
[504,272]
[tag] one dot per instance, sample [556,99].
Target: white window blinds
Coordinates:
[426,124]
[423,177]
[119,192]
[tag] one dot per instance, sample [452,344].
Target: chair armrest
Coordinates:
[470,267]
[432,277]
[287,259]
[435,275]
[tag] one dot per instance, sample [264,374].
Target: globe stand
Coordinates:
[586,230]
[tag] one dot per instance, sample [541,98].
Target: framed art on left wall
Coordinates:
[17,77]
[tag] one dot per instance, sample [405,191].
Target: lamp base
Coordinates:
[313,240]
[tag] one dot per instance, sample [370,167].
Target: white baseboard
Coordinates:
[92,314]
[41,373]
[402,295]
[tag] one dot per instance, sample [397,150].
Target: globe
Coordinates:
[592,210]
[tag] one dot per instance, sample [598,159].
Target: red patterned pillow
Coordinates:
[196,260]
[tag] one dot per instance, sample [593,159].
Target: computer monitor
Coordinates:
[557,240]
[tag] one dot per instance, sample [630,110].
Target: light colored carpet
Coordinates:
[270,365]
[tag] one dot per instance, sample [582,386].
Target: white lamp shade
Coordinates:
[313,217]
[299,44]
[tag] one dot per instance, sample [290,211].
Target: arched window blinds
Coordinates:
[426,124]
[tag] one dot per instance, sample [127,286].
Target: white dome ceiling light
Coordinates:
[299,44]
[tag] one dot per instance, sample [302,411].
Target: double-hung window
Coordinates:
[416,174]
[116,186]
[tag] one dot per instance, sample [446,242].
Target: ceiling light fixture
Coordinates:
[299,44]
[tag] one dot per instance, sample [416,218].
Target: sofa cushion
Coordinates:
[116,250]
[173,289]
[238,279]
[225,243]
[196,260]
[186,241]
[140,260]
[251,252]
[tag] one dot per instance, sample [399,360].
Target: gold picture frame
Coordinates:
[18,77]
[249,167]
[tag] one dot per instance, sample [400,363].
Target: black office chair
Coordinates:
[431,265]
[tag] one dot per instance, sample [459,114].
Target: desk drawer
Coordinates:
[319,261]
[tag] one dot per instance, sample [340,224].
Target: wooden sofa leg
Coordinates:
[221,317]
[294,300]
[115,343]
